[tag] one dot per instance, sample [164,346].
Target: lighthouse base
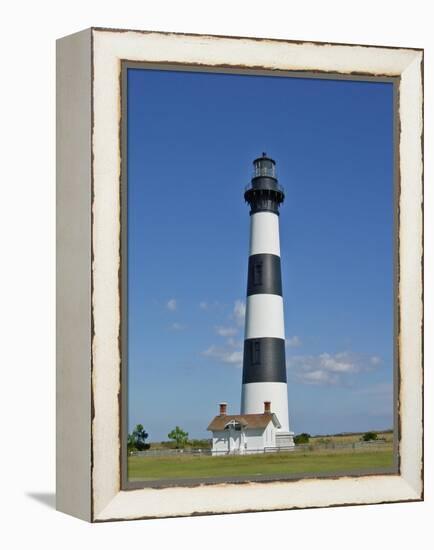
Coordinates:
[254,394]
[285,440]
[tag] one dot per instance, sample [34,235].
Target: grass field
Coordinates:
[148,468]
[346,439]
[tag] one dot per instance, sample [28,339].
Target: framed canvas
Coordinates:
[154,131]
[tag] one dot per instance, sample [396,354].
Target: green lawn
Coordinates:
[187,466]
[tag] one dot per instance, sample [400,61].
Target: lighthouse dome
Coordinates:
[264,194]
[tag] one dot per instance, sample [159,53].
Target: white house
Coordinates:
[244,433]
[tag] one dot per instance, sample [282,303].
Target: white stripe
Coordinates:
[264,233]
[264,316]
[254,394]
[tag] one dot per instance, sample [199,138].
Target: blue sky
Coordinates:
[192,138]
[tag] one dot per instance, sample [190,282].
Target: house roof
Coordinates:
[246,420]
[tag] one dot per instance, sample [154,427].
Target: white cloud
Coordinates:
[177,326]
[239,312]
[233,343]
[293,342]
[320,377]
[225,355]
[231,352]
[234,358]
[375,360]
[226,331]
[341,362]
[171,304]
[210,306]
[327,368]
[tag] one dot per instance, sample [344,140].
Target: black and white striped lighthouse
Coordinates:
[264,367]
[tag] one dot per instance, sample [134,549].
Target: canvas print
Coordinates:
[259,276]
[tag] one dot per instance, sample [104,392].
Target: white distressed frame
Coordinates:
[88,359]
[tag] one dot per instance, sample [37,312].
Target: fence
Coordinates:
[337,446]
[305,448]
[171,452]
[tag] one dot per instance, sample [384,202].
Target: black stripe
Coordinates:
[264,360]
[265,195]
[264,275]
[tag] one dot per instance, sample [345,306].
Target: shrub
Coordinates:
[301,439]
[369,436]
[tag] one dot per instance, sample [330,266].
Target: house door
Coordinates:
[234,441]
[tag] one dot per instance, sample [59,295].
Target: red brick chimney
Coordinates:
[267,406]
[223,409]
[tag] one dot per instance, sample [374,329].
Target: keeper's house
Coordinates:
[244,433]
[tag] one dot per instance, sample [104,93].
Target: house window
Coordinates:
[256,352]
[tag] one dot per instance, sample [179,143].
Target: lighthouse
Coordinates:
[263,424]
[264,368]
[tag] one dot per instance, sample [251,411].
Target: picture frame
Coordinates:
[91,388]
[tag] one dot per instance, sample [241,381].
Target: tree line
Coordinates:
[178,438]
